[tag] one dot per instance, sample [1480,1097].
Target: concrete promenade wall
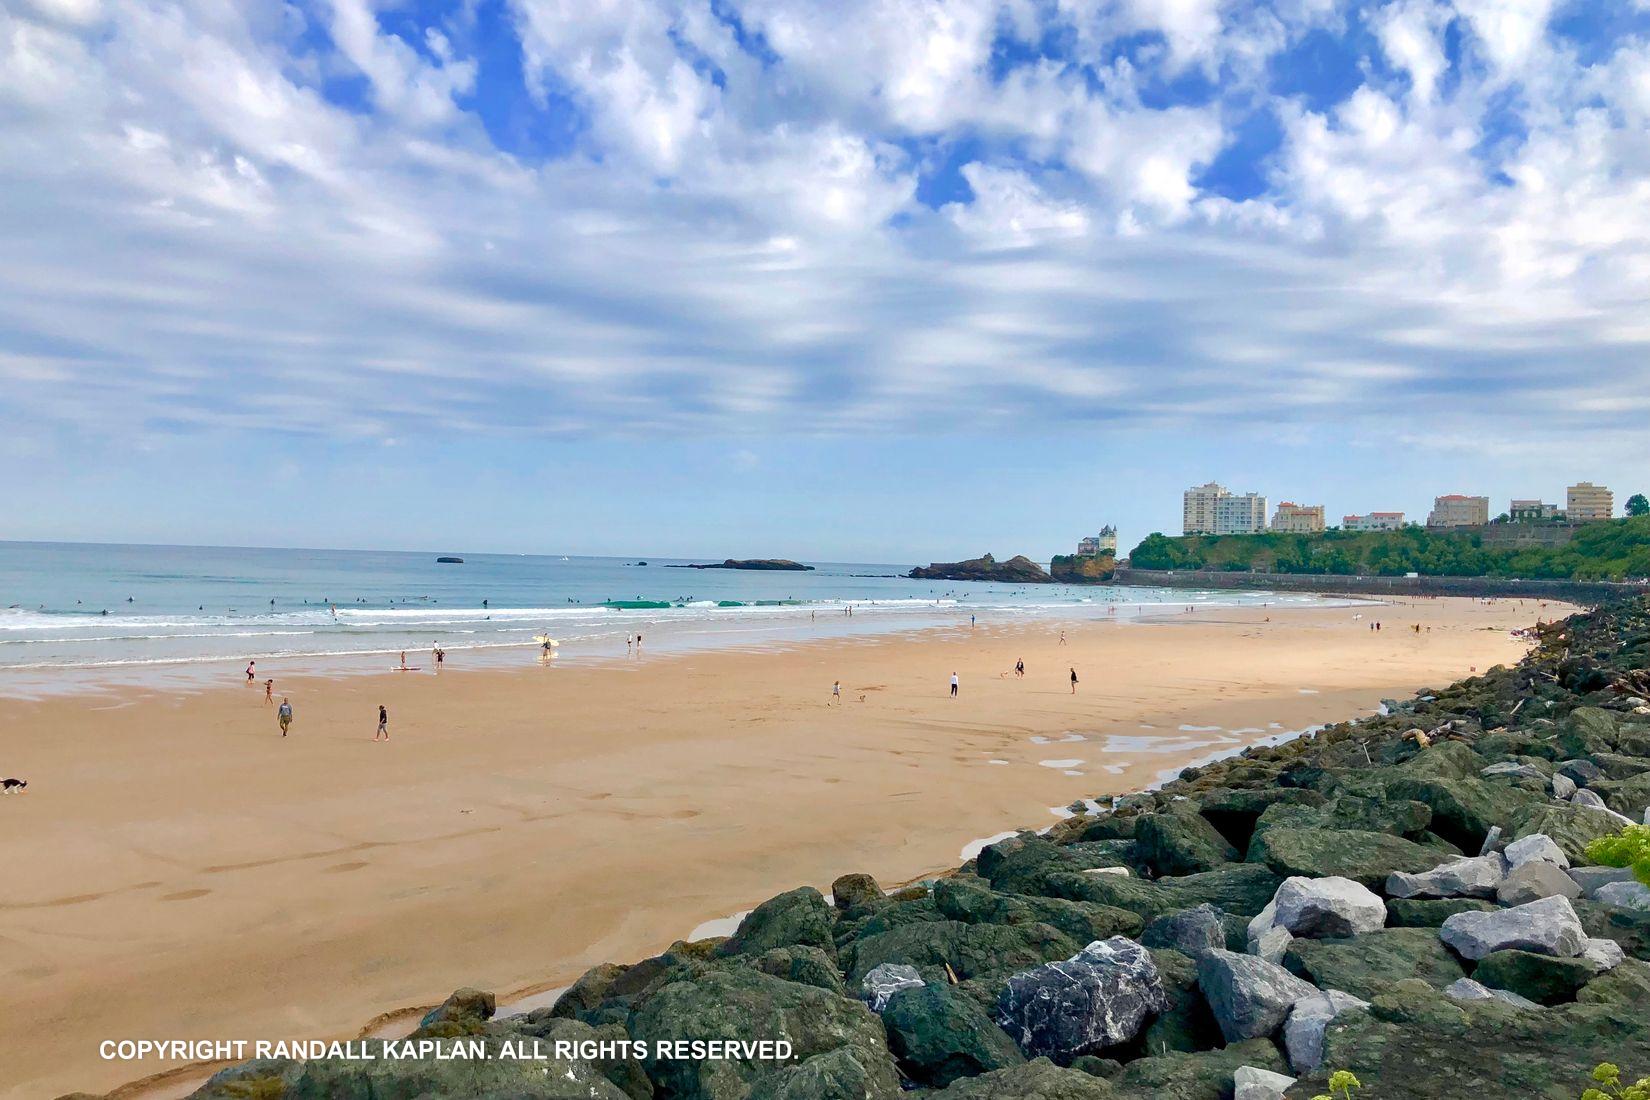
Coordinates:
[1588,592]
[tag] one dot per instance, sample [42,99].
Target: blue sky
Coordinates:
[879,280]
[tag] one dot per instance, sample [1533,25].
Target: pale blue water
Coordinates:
[173,608]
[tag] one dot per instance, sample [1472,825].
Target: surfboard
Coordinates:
[405,668]
[545,639]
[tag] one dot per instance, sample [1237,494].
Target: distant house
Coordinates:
[1533,511]
[1299,519]
[1373,521]
[1105,542]
[1455,510]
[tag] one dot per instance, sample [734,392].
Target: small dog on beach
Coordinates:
[14,786]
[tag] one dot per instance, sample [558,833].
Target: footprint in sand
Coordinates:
[340,868]
[185,895]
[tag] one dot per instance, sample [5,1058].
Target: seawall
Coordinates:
[1581,592]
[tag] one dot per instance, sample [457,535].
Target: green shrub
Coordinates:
[1609,1075]
[1628,848]
[1342,1082]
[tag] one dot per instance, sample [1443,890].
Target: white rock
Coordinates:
[1462,877]
[1535,846]
[1624,895]
[1545,927]
[1592,801]
[1591,878]
[1273,944]
[1330,906]
[1465,989]
[1308,1019]
[882,982]
[1124,871]
[1250,1083]
[1563,786]
[1491,839]
[1603,954]
[1536,879]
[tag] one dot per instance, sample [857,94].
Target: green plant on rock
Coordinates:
[1609,1075]
[1341,1084]
[1628,848]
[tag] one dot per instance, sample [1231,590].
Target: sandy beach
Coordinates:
[179,870]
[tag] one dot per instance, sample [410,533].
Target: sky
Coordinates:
[868,280]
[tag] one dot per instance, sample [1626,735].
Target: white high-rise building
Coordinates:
[1212,509]
[1198,508]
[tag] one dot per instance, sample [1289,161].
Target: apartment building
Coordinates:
[1585,502]
[1456,510]
[1212,509]
[1373,521]
[1298,519]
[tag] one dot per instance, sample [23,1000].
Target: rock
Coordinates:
[744,1001]
[1624,895]
[1627,983]
[938,1035]
[1589,879]
[1327,907]
[855,892]
[1186,1024]
[1365,965]
[1534,880]
[808,965]
[1536,846]
[1016,570]
[1240,889]
[1308,1020]
[969,950]
[1549,927]
[1250,997]
[1511,769]
[1085,922]
[1234,811]
[1580,772]
[882,982]
[1037,1080]
[1541,978]
[1628,797]
[1603,954]
[1563,786]
[1201,1075]
[1571,826]
[1587,731]
[797,917]
[1492,841]
[589,991]
[463,1013]
[1430,913]
[1272,944]
[1098,998]
[1182,844]
[1468,990]
[1249,1083]
[1193,932]
[1365,857]
[1591,800]
[1465,809]
[1477,877]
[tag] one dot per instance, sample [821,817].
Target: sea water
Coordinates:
[132,614]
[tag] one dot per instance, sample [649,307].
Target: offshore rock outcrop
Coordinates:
[1336,902]
[1016,570]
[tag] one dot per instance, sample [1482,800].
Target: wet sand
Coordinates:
[178,870]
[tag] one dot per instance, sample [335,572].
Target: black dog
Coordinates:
[14,786]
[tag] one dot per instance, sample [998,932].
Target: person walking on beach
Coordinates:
[1062,637]
[629,644]
[1074,681]
[1020,669]
[283,715]
[836,692]
[383,724]
[251,671]
[954,683]
[269,691]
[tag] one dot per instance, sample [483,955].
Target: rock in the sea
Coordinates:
[882,982]
[1541,978]
[1308,1020]
[1098,998]
[1468,990]
[939,1035]
[1249,1083]
[1603,954]
[1467,877]
[1193,932]
[1250,997]
[1536,846]
[1327,907]
[1624,895]
[1535,880]
[1589,879]
[1016,570]
[1548,927]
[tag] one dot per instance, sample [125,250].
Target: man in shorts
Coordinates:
[283,715]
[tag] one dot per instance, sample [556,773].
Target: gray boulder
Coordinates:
[1580,772]
[1192,932]
[1511,769]
[1546,927]
[1467,877]
[1250,997]
[1563,786]
[1249,1083]
[1536,846]
[1468,990]
[1589,879]
[1630,894]
[1327,907]
[1603,954]
[1591,800]
[1098,998]
[1308,1020]
[882,982]
[1535,880]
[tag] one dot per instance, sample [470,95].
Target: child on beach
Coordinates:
[1074,681]
[836,692]
[383,724]
[269,691]
[283,715]
[954,683]
[251,671]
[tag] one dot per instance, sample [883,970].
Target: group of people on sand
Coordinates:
[283,713]
[956,681]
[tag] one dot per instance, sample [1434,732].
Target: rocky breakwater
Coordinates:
[1404,896]
[1016,570]
[760,564]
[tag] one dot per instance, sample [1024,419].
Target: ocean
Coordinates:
[73,614]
